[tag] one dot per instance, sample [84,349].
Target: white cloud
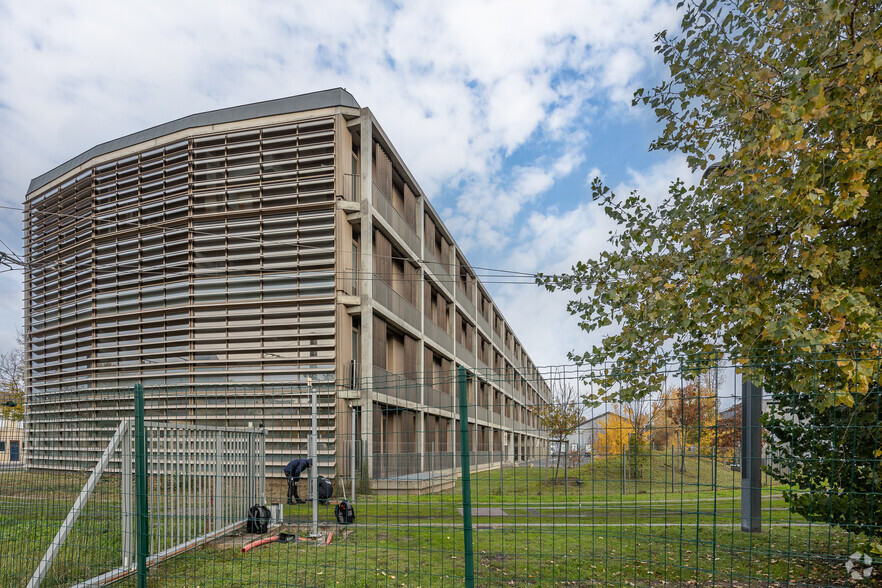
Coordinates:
[653,183]
[552,241]
[459,86]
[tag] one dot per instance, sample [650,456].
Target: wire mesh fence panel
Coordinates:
[61,527]
[736,471]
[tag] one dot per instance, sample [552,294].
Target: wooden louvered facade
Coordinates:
[233,256]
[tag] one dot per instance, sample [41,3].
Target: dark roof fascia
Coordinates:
[592,419]
[301,103]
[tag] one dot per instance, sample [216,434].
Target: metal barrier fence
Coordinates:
[199,483]
[721,473]
[202,481]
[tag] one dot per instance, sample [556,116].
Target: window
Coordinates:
[355,268]
[354,177]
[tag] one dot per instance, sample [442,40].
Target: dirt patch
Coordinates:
[240,538]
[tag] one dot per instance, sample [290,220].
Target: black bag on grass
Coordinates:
[345,513]
[325,490]
[258,519]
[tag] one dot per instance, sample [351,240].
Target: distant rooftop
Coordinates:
[301,103]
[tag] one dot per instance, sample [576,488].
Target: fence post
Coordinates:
[218,482]
[353,452]
[751,459]
[466,479]
[312,442]
[352,468]
[127,495]
[142,539]
[261,463]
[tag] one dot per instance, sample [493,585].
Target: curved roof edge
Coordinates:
[301,103]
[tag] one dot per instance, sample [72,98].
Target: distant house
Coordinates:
[735,410]
[585,435]
[10,441]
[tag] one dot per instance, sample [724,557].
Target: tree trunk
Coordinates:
[557,465]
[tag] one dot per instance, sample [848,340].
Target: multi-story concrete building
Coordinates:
[226,258]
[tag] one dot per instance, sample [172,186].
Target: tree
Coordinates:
[12,382]
[824,485]
[779,245]
[614,435]
[641,414]
[623,431]
[729,427]
[563,412]
[777,253]
[693,411]
[663,432]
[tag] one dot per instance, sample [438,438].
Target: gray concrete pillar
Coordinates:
[751,457]
[365,284]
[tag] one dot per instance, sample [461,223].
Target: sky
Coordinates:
[503,111]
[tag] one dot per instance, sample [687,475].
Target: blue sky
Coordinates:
[504,111]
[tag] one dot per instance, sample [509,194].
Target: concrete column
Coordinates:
[751,457]
[421,439]
[365,283]
[421,360]
[452,431]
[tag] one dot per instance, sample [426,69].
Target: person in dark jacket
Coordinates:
[293,470]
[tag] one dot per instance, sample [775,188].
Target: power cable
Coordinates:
[16,256]
[519,278]
[297,242]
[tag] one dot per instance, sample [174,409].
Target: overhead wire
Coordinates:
[114,269]
[295,242]
[17,257]
[494,275]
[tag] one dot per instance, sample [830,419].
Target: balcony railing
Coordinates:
[396,303]
[509,355]
[438,335]
[351,183]
[351,375]
[466,356]
[497,339]
[466,303]
[395,385]
[404,461]
[484,325]
[437,399]
[439,270]
[391,215]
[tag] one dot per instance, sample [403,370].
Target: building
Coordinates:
[10,442]
[232,260]
[584,436]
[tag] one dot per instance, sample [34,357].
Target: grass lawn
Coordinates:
[528,530]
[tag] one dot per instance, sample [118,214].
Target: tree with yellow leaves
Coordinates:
[613,437]
[624,432]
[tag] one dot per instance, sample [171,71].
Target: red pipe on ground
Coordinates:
[284,538]
[258,543]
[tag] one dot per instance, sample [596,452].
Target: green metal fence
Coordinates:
[760,470]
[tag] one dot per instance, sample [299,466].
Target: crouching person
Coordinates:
[293,470]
